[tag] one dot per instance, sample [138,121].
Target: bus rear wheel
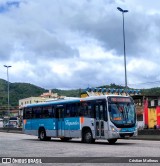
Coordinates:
[42,135]
[112,141]
[87,137]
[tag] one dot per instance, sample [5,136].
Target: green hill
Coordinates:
[17,91]
[24,90]
[68,93]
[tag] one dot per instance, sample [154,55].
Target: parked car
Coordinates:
[13,123]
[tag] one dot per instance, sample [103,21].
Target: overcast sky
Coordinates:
[71,44]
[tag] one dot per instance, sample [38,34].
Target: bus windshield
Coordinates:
[122,112]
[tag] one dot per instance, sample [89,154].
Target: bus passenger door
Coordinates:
[60,121]
[99,109]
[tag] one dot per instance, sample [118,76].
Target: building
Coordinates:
[30,100]
[42,98]
[49,95]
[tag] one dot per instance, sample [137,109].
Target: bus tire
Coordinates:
[42,135]
[112,141]
[87,137]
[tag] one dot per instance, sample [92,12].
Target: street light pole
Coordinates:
[124,11]
[8,86]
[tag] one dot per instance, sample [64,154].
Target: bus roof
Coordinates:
[73,100]
[103,97]
[52,102]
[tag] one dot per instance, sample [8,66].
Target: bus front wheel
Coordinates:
[87,137]
[112,141]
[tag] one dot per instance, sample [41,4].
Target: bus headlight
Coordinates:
[113,128]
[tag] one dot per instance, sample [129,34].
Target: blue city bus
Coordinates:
[107,117]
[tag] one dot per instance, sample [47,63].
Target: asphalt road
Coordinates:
[21,145]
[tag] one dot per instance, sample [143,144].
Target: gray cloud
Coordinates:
[106,26]
[79,43]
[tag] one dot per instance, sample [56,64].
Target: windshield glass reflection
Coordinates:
[122,113]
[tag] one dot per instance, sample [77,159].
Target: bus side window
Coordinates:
[56,114]
[33,113]
[47,112]
[82,109]
[40,113]
[100,110]
[24,113]
[60,112]
[28,113]
[73,110]
[53,112]
[97,112]
[91,109]
[87,109]
[105,112]
[67,112]
[79,110]
[37,112]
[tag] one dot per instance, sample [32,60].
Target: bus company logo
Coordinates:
[6,160]
[68,123]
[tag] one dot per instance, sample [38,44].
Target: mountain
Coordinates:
[17,91]
[152,91]
[68,93]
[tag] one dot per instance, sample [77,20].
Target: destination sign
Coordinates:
[120,99]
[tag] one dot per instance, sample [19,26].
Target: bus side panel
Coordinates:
[27,126]
[52,131]
[106,130]
[60,124]
[89,122]
[34,126]
[72,127]
[50,126]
